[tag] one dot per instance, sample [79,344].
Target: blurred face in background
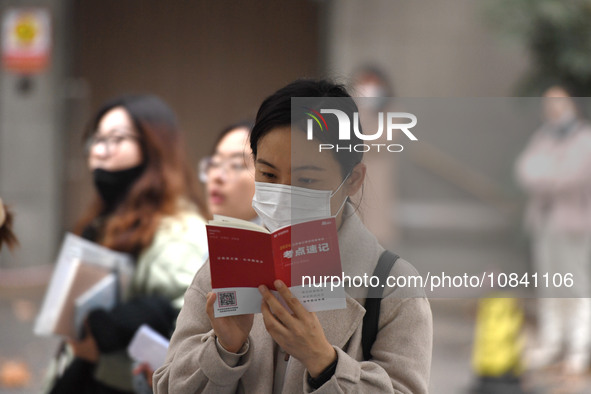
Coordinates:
[373,87]
[368,85]
[114,146]
[558,106]
[229,176]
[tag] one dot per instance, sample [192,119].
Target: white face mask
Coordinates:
[283,205]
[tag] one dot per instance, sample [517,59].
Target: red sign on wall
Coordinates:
[26,40]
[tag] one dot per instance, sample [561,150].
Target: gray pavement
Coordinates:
[18,344]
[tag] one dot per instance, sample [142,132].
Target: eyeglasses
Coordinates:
[111,141]
[231,167]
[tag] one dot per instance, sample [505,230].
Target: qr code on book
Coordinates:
[226,298]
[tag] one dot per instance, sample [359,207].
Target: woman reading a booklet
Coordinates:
[146,206]
[277,351]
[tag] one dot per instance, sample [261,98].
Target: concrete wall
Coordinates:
[30,150]
[432,49]
[429,48]
[212,61]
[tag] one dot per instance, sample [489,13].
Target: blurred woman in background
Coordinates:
[555,172]
[146,206]
[228,174]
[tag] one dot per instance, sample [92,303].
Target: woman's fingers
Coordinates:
[273,325]
[300,335]
[294,304]
[231,331]
[209,306]
[275,307]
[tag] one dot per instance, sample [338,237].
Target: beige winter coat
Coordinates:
[556,174]
[401,354]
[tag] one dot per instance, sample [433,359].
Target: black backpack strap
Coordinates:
[373,301]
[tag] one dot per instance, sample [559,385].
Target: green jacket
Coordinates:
[168,266]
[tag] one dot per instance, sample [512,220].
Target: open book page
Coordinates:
[242,259]
[227,221]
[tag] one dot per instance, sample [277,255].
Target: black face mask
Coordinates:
[112,186]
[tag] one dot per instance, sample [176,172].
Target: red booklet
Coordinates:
[243,255]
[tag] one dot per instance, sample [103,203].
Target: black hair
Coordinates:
[165,178]
[276,111]
[144,109]
[244,124]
